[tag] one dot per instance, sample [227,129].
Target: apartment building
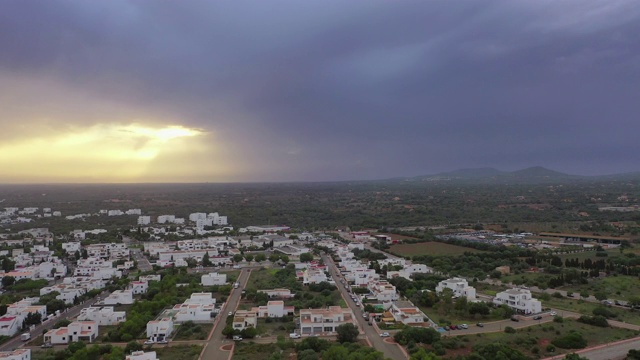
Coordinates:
[317,321]
[9,325]
[122,297]
[408,314]
[139,287]
[383,291]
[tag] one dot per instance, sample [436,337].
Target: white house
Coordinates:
[139,287]
[317,321]
[243,319]
[159,329]
[9,325]
[71,247]
[278,293]
[25,307]
[383,291]
[214,278]
[102,315]
[313,276]
[273,309]
[518,299]
[459,286]
[144,220]
[17,354]
[408,314]
[123,297]
[76,331]
[141,355]
[149,278]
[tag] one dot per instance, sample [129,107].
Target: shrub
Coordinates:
[509,330]
[572,340]
[600,321]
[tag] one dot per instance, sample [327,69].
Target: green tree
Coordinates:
[132,346]
[8,281]
[248,257]
[347,333]
[306,257]
[237,258]
[260,258]
[206,262]
[336,353]
[274,257]
[8,264]
[423,355]
[284,259]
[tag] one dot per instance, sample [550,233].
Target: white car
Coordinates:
[149,342]
[464,326]
[384,334]
[230,313]
[553,313]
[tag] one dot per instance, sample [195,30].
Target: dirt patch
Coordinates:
[227,347]
[543,343]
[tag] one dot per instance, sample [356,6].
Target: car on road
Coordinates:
[163,342]
[480,325]
[384,334]
[463,326]
[513,318]
[230,313]
[294,336]
[237,338]
[149,342]
[537,317]
[553,313]
[453,327]
[46,346]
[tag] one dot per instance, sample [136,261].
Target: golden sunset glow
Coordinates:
[110,153]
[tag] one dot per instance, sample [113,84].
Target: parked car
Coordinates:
[553,313]
[294,336]
[463,326]
[513,318]
[163,342]
[149,342]
[480,324]
[237,338]
[453,327]
[537,317]
[230,313]
[46,345]
[384,334]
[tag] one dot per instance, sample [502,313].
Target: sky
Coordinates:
[252,91]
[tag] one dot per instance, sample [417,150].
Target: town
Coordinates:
[201,287]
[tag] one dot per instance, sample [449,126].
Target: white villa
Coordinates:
[316,321]
[519,299]
[459,286]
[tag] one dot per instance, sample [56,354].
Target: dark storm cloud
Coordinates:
[337,90]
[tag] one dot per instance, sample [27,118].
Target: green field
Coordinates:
[538,337]
[191,331]
[252,351]
[179,352]
[430,248]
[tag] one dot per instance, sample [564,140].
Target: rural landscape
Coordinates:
[401,281]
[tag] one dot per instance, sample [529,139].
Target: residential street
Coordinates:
[391,350]
[213,347]
[37,331]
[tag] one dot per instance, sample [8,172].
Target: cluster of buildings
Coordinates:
[200,307]
[11,323]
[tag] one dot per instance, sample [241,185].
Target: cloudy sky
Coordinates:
[184,91]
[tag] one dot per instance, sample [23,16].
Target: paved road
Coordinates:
[390,350]
[37,331]
[611,351]
[217,340]
[143,262]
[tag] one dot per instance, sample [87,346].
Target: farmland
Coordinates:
[430,248]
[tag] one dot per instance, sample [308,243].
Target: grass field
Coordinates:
[430,248]
[189,331]
[529,339]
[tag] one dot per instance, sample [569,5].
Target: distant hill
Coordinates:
[536,174]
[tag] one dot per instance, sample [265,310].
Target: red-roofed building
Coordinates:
[9,325]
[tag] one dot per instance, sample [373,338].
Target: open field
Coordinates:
[616,287]
[252,351]
[191,331]
[586,308]
[180,352]
[430,248]
[536,338]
